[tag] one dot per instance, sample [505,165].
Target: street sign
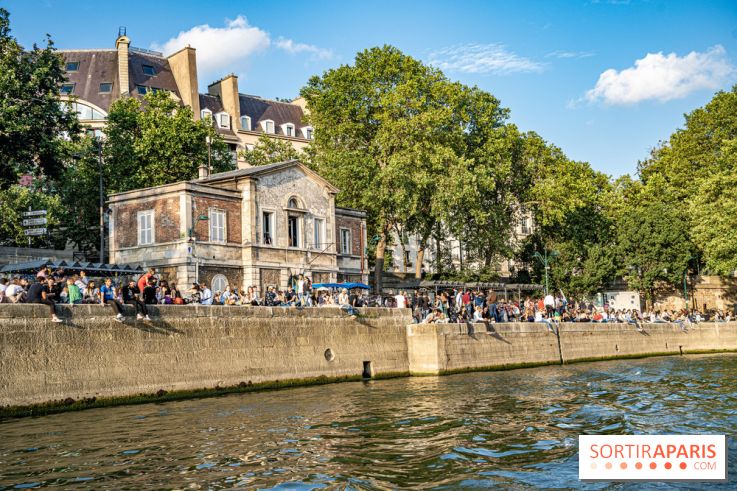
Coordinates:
[33,213]
[35,231]
[28,222]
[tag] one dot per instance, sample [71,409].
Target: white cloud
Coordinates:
[296,48]
[663,77]
[569,54]
[222,50]
[483,58]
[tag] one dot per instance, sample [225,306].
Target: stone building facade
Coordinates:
[256,227]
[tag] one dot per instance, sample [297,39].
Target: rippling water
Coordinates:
[509,430]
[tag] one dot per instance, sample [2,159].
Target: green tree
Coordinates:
[14,201]
[157,142]
[384,134]
[652,238]
[271,150]
[32,120]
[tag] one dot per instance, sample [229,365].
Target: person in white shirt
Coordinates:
[82,281]
[205,294]
[13,293]
[401,300]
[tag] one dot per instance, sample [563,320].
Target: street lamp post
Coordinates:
[102,202]
[685,285]
[193,238]
[545,260]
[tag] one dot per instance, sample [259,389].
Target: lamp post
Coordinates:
[102,201]
[685,285]
[545,260]
[193,238]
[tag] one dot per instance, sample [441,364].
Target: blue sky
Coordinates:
[604,80]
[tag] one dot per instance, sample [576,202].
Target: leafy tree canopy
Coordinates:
[33,121]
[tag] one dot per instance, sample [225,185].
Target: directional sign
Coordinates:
[35,231]
[34,213]
[29,222]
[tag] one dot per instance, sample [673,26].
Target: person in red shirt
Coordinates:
[144,279]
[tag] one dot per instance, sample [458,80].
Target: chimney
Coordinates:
[203,172]
[227,89]
[183,65]
[122,44]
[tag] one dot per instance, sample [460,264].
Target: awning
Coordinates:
[347,285]
[92,269]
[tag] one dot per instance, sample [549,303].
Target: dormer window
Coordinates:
[246,123]
[268,126]
[141,89]
[307,132]
[206,114]
[224,120]
[72,66]
[149,70]
[288,129]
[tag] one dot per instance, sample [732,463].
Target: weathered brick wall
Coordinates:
[232,209]
[234,275]
[354,225]
[166,221]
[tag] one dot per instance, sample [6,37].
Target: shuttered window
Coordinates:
[217,226]
[145,227]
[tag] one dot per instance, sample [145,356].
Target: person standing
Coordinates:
[145,278]
[108,297]
[39,293]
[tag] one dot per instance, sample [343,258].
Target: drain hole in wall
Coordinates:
[329,355]
[368,370]
[616,347]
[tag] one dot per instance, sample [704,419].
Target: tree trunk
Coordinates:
[438,259]
[420,260]
[379,264]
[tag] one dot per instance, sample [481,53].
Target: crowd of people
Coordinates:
[59,287]
[456,305]
[468,305]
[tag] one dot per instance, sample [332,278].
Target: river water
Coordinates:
[507,430]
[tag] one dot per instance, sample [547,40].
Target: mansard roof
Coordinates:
[280,113]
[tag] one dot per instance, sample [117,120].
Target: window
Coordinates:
[293,224]
[407,261]
[106,87]
[524,225]
[268,126]
[145,227]
[67,89]
[307,132]
[318,232]
[268,227]
[246,123]
[86,113]
[345,241]
[219,283]
[288,129]
[141,89]
[217,226]
[205,114]
[149,70]
[293,203]
[224,120]
[72,66]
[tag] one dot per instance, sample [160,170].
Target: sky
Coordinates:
[605,80]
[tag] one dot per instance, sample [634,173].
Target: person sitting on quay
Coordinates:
[205,294]
[108,296]
[74,294]
[131,296]
[39,293]
[15,291]
[91,294]
[149,292]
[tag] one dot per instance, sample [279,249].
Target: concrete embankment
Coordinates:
[91,360]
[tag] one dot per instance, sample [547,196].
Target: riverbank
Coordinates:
[195,351]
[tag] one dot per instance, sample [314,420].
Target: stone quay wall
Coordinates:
[210,349]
